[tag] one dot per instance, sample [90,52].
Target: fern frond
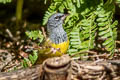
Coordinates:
[88,32]
[107,28]
[74,41]
[82,37]
[54,7]
[86,20]
[73,6]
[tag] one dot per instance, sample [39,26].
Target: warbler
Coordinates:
[57,37]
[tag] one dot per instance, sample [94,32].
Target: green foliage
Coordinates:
[89,21]
[82,36]
[30,60]
[5,1]
[34,35]
[118,3]
[107,28]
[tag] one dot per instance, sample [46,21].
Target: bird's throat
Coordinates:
[58,35]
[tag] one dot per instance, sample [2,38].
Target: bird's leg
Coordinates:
[54,50]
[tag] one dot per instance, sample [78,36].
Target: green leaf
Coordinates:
[35,35]
[107,41]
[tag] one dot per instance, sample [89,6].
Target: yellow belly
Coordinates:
[62,46]
[46,53]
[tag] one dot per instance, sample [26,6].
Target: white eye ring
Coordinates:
[57,18]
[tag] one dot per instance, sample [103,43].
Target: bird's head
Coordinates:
[56,20]
[55,28]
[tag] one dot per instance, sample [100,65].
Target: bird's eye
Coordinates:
[57,17]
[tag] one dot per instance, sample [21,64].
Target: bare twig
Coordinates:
[10,35]
[2,50]
[44,33]
[90,52]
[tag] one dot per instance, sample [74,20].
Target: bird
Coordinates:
[57,42]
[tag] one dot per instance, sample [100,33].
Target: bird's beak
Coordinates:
[64,16]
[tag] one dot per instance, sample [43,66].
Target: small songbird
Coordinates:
[57,37]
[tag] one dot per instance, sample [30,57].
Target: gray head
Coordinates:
[55,29]
[55,20]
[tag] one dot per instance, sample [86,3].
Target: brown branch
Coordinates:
[33,73]
[64,68]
